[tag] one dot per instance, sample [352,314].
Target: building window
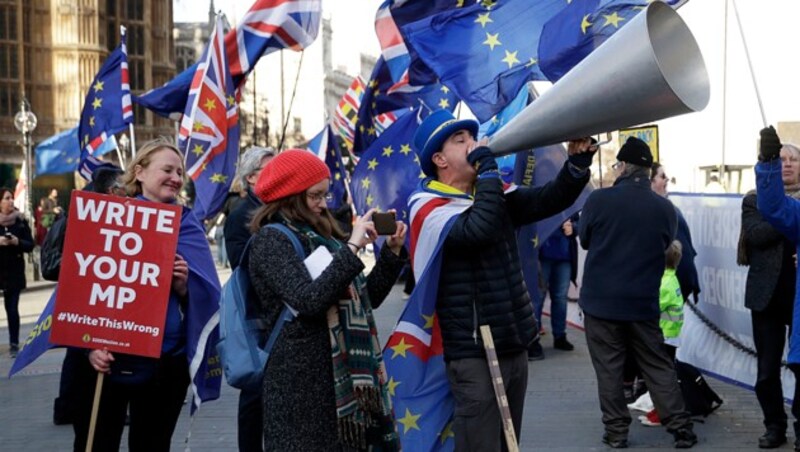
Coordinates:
[135,40]
[136,73]
[8,22]
[134,10]
[7,98]
[9,61]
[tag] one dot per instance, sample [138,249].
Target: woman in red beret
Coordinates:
[325,383]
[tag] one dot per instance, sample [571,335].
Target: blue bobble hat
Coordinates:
[433,132]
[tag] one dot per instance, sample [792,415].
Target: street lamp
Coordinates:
[25,121]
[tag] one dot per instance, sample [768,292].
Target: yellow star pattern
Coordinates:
[444,103]
[483,19]
[231,101]
[532,61]
[98,86]
[391,385]
[365,182]
[492,40]
[97,103]
[387,151]
[421,175]
[372,164]
[400,348]
[535,241]
[91,121]
[428,321]
[495,120]
[373,84]
[371,131]
[218,178]
[613,19]
[445,89]
[488,4]
[198,150]
[210,104]
[338,176]
[585,23]
[409,421]
[369,200]
[511,58]
[197,126]
[405,149]
[447,432]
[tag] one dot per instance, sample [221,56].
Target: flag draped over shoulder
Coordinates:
[269,25]
[324,146]
[380,107]
[581,27]
[421,398]
[61,153]
[389,171]
[107,108]
[209,131]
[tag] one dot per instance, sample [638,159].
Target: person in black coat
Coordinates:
[626,230]
[481,280]
[237,233]
[769,294]
[15,240]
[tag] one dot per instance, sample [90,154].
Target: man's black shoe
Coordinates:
[619,443]
[684,438]
[772,439]
[561,343]
[535,352]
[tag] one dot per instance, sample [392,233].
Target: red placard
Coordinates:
[116,272]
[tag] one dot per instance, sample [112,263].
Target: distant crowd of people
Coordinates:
[325,385]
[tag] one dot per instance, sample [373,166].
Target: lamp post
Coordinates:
[25,121]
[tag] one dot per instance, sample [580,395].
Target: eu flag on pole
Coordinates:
[324,146]
[388,172]
[485,54]
[268,25]
[506,163]
[209,131]
[107,108]
[380,106]
[573,33]
[61,153]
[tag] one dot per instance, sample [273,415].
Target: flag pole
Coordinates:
[133,141]
[725,88]
[750,64]
[291,101]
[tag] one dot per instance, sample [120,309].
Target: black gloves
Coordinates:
[482,159]
[584,159]
[770,147]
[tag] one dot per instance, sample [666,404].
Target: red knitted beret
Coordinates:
[291,172]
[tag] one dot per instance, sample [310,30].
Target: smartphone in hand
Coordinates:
[384,223]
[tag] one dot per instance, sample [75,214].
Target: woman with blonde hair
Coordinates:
[153,389]
[325,386]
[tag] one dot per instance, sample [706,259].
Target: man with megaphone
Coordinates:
[461,210]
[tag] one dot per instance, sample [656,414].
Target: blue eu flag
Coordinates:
[389,170]
[573,33]
[61,153]
[383,97]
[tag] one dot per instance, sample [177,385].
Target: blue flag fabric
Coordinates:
[38,340]
[389,171]
[574,33]
[484,55]
[209,131]
[61,153]
[506,163]
[107,108]
[324,146]
[378,99]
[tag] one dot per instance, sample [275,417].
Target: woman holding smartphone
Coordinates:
[325,385]
[15,240]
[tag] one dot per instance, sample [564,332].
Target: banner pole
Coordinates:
[98,389]
[499,389]
[750,64]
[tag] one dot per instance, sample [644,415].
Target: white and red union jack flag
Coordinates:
[209,132]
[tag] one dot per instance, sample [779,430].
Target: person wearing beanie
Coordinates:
[237,233]
[474,224]
[626,229]
[325,387]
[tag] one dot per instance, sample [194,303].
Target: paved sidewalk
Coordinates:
[561,410]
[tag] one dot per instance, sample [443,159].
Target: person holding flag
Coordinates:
[462,219]
[156,174]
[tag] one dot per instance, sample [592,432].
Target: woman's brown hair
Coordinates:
[295,209]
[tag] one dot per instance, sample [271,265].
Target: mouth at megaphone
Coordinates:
[650,69]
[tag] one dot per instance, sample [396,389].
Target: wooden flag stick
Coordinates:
[499,389]
[98,389]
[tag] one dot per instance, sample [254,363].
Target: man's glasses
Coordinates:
[317,197]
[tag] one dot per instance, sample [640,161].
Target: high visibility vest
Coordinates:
[671,305]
